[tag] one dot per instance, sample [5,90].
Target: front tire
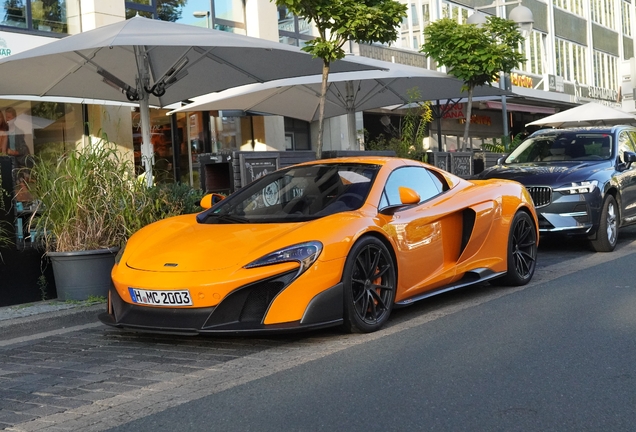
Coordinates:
[369,280]
[607,233]
[522,251]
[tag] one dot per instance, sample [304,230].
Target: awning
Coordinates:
[521,108]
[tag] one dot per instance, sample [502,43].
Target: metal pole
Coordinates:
[439,126]
[504,110]
[147,154]
[351,116]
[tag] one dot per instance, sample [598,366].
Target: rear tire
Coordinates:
[607,233]
[522,251]
[369,286]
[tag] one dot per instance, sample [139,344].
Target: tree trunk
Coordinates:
[321,107]
[469,109]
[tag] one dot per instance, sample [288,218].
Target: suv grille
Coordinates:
[541,195]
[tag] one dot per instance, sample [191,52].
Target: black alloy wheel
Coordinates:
[369,286]
[522,251]
[607,233]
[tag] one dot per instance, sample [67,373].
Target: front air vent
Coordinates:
[541,195]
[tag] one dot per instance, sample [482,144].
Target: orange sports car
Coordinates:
[324,243]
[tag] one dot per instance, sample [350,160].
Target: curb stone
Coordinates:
[24,320]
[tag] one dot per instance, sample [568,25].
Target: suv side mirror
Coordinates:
[627,160]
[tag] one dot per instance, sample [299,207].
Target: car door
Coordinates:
[627,176]
[419,231]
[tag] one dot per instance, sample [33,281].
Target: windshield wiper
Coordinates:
[228,218]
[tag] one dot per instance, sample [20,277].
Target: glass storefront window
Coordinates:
[161,138]
[49,16]
[45,15]
[230,28]
[292,30]
[14,13]
[37,128]
[224,15]
[230,10]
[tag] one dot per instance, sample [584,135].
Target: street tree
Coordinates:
[340,21]
[474,54]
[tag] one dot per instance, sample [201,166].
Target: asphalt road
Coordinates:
[556,354]
[556,357]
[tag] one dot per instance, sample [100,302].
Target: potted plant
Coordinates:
[88,203]
[76,219]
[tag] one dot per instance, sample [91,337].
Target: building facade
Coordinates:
[577,51]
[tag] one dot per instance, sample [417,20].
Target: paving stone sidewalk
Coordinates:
[26,319]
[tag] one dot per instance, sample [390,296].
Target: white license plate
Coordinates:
[160,298]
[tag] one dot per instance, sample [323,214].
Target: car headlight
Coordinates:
[304,253]
[120,254]
[579,187]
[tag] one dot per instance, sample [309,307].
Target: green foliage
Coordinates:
[406,139]
[6,233]
[43,286]
[150,204]
[340,21]
[474,54]
[498,146]
[90,199]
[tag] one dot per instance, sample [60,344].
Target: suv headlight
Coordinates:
[304,253]
[579,187]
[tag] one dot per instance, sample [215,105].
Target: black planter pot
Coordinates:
[81,274]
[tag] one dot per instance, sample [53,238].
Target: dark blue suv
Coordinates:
[582,180]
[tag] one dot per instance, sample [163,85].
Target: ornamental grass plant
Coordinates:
[90,198]
[6,234]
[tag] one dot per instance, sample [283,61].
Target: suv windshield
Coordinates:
[296,194]
[563,146]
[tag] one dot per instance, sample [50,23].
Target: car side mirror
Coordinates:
[629,157]
[210,199]
[500,160]
[408,196]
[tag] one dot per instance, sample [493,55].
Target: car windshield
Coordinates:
[563,146]
[296,194]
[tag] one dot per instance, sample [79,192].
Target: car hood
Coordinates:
[553,174]
[183,246]
[201,247]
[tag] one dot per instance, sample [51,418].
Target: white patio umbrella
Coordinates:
[155,63]
[385,85]
[590,114]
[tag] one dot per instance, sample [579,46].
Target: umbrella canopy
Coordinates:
[590,114]
[153,62]
[385,85]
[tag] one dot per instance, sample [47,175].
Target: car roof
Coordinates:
[587,129]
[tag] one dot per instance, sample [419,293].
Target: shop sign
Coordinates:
[521,80]
[477,120]
[456,112]
[602,93]
[555,83]
[5,50]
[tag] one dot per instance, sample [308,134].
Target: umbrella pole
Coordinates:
[147,153]
[351,116]
[351,126]
[146,145]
